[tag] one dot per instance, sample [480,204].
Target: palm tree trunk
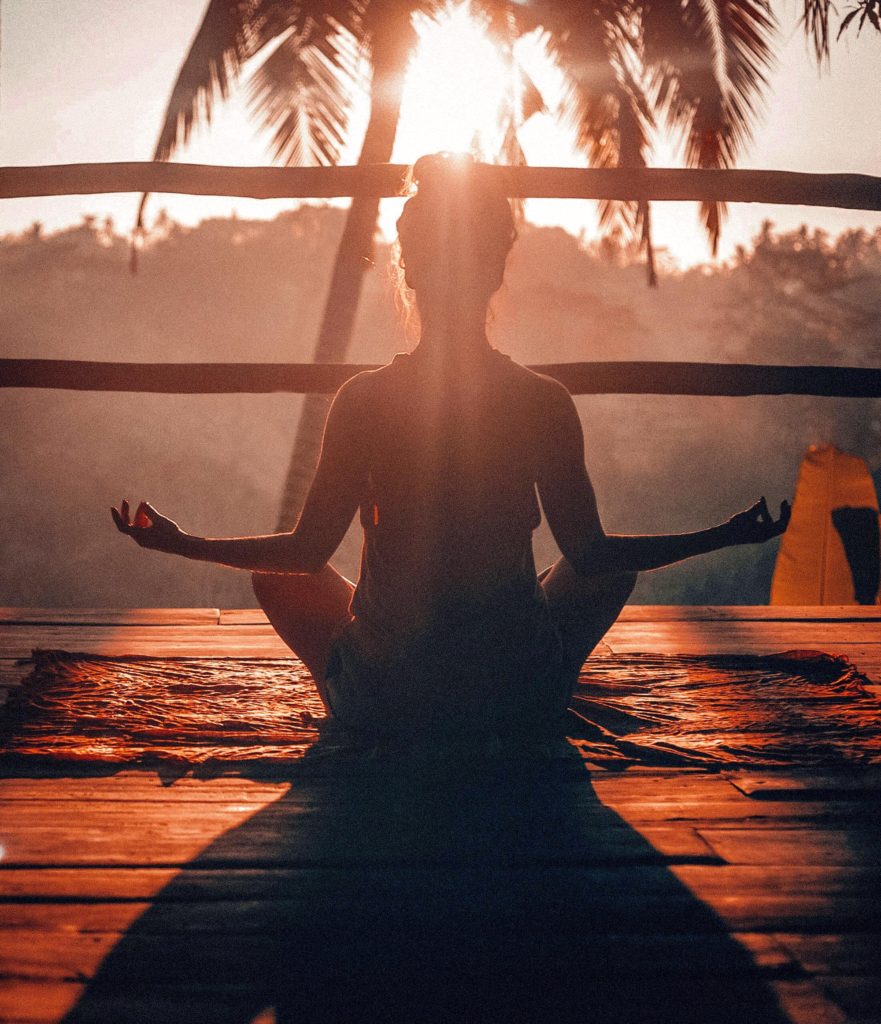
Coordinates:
[353,258]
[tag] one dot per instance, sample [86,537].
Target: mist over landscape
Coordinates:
[234,290]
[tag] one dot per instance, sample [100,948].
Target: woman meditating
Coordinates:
[446,453]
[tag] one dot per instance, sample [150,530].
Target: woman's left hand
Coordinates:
[755,525]
[149,528]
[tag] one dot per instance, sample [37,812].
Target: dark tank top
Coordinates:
[447,588]
[450,503]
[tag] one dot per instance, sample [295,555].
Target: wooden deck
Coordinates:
[514,892]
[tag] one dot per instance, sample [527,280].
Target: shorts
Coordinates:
[500,669]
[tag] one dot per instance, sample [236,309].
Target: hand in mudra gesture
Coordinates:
[755,525]
[149,528]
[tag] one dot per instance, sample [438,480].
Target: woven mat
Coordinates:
[792,709]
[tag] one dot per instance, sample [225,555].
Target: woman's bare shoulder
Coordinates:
[369,391]
[366,383]
[542,387]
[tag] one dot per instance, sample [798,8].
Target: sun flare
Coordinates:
[457,90]
[457,87]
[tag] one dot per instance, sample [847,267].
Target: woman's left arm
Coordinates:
[330,506]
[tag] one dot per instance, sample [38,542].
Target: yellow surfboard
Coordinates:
[829,554]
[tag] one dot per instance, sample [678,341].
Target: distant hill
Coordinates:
[252,291]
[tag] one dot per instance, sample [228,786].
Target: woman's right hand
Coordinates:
[755,525]
[149,528]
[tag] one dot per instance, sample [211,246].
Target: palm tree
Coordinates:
[302,92]
[697,66]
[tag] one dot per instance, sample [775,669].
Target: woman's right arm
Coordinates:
[329,508]
[569,504]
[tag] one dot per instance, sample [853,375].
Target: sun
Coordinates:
[457,87]
[457,90]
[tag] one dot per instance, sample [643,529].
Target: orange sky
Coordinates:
[87,80]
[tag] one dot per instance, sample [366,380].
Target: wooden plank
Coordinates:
[36,1002]
[863,656]
[746,1001]
[242,617]
[637,786]
[249,633]
[296,837]
[651,613]
[862,784]
[131,884]
[676,613]
[46,814]
[764,814]
[850,191]
[661,785]
[48,1002]
[12,671]
[110,616]
[18,641]
[140,786]
[709,882]
[866,633]
[853,954]
[706,882]
[795,846]
[745,612]
[804,634]
[55,956]
[651,786]
[25,633]
[803,1002]
[557,903]
[856,640]
[671,786]
[544,817]
[187,647]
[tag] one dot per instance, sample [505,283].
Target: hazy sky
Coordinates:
[87,80]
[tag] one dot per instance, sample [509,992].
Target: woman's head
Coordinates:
[454,234]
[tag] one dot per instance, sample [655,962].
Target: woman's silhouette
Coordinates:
[445,452]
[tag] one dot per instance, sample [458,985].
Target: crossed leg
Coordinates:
[583,607]
[307,610]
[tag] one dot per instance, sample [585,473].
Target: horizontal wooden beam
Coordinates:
[852,191]
[623,378]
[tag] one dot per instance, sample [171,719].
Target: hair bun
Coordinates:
[440,170]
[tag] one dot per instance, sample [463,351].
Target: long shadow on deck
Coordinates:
[497,893]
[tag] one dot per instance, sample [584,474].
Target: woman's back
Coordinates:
[450,503]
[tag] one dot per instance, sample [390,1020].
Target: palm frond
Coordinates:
[865,10]
[708,62]
[815,22]
[628,145]
[222,44]
[522,102]
[523,98]
[306,17]
[503,28]
[606,103]
[230,34]
[302,92]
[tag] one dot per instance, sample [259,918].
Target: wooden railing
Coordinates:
[623,378]
[852,191]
